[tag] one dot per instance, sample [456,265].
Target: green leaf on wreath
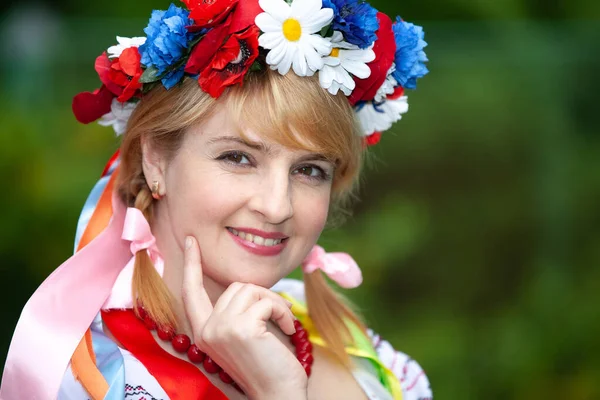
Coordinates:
[327,31]
[150,75]
[149,86]
[256,67]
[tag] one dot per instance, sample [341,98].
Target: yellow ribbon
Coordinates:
[361,347]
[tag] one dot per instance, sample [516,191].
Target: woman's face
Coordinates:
[256,208]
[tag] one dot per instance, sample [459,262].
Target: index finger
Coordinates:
[196,302]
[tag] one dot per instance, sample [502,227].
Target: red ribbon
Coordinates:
[180,379]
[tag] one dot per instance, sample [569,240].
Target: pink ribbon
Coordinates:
[340,267]
[60,311]
[137,231]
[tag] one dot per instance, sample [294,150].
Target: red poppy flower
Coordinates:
[90,106]
[208,13]
[398,92]
[244,15]
[385,52]
[372,139]
[231,62]
[121,75]
[204,51]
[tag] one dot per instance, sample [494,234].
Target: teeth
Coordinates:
[259,240]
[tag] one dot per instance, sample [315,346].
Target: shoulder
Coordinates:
[415,384]
[413,381]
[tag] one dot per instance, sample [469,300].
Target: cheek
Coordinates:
[196,195]
[311,209]
[205,201]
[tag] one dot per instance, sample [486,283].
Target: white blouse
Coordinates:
[414,382]
[141,385]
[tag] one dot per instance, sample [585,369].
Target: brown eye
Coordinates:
[311,171]
[235,158]
[306,170]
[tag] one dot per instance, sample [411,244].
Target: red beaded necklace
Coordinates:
[183,344]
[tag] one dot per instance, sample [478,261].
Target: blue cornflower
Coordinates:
[167,43]
[410,56]
[356,19]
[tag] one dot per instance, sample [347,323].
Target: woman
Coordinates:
[243,126]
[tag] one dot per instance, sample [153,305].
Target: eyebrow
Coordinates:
[266,149]
[237,139]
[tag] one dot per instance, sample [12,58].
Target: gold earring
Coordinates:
[155,192]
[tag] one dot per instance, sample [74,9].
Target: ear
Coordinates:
[154,165]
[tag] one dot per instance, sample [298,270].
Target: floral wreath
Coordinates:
[352,47]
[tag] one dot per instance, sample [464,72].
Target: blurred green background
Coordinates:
[477,229]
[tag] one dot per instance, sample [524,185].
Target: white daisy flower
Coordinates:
[388,87]
[118,116]
[379,117]
[344,59]
[291,32]
[124,43]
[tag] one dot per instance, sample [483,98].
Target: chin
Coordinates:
[266,282]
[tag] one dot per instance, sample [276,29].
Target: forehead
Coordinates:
[224,125]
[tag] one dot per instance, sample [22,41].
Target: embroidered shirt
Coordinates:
[129,379]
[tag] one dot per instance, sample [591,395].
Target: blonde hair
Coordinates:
[298,113]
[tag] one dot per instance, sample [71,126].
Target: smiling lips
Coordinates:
[259,242]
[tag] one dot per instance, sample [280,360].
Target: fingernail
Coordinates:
[188,242]
[289,304]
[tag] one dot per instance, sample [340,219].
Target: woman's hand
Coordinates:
[234,333]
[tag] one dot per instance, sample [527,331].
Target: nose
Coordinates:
[272,198]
